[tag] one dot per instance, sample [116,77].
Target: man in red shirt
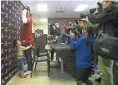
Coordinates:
[27,37]
[26,33]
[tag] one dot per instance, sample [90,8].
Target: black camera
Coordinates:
[66,35]
[99,8]
[73,29]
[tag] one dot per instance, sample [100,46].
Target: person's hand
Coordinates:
[71,33]
[30,45]
[56,37]
[54,40]
[86,19]
[54,27]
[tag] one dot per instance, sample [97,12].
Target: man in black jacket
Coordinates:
[58,37]
[108,19]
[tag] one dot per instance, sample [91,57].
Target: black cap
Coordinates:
[83,15]
[82,19]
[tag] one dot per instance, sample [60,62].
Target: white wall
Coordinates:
[37,24]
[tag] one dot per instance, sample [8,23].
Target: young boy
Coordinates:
[20,56]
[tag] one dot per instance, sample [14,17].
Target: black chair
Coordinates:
[40,57]
[40,54]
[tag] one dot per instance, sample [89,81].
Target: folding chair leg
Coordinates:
[48,64]
[48,71]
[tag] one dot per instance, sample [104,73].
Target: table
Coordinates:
[60,47]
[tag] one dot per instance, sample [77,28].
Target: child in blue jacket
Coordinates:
[83,47]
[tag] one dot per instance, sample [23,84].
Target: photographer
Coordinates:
[77,28]
[83,47]
[83,23]
[108,20]
[52,30]
[57,35]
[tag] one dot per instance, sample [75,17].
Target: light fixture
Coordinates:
[43,19]
[81,7]
[42,7]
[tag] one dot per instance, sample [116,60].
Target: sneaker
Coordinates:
[27,73]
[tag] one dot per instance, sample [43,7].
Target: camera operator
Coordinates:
[77,27]
[75,23]
[107,18]
[57,35]
[83,23]
[83,47]
[52,30]
[65,36]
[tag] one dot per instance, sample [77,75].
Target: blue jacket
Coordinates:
[83,51]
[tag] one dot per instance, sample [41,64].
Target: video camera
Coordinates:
[66,34]
[74,30]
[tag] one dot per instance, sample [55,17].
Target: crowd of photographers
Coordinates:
[96,33]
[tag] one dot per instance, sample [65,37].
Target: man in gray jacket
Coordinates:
[107,19]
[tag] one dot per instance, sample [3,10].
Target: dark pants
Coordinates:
[82,75]
[29,59]
[52,54]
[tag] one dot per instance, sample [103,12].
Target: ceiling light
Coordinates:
[44,20]
[42,7]
[81,7]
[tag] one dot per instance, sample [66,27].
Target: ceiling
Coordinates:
[67,6]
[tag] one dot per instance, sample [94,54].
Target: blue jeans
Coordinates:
[20,63]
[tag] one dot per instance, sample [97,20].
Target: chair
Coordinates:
[40,57]
[40,54]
